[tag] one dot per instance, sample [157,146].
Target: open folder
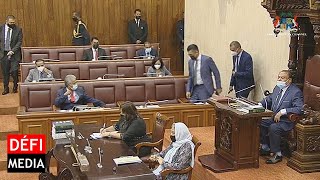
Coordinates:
[127,160]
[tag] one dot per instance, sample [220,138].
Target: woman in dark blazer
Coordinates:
[131,128]
[158,69]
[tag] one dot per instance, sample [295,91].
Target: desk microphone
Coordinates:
[115,75]
[244,89]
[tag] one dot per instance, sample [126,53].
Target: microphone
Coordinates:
[264,96]
[115,75]
[245,89]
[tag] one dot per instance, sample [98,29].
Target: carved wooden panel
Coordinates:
[226,133]
[194,118]
[292,4]
[313,143]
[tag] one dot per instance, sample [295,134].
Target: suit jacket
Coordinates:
[88,54]
[142,52]
[244,76]
[292,101]
[34,75]
[16,42]
[137,33]
[64,103]
[207,68]
[84,37]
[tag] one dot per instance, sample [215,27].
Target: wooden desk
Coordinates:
[112,148]
[237,139]
[41,122]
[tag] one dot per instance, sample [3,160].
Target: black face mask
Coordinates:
[173,138]
[193,58]
[75,19]
[95,46]
[11,26]
[138,17]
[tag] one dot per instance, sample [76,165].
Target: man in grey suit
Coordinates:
[200,83]
[137,29]
[10,52]
[285,99]
[40,72]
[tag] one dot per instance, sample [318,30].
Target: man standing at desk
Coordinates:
[242,71]
[137,29]
[200,83]
[10,52]
[73,95]
[285,99]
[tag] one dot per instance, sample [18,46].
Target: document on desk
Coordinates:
[96,135]
[127,160]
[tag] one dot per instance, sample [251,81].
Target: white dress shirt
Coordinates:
[282,111]
[137,22]
[198,73]
[238,57]
[75,95]
[94,54]
[6,30]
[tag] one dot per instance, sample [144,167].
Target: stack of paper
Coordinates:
[127,160]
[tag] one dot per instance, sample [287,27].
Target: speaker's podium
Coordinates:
[237,135]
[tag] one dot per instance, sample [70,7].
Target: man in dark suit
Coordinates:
[180,34]
[81,35]
[242,71]
[285,99]
[10,52]
[147,51]
[200,83]
[137,29]
[73,95]
[94,52]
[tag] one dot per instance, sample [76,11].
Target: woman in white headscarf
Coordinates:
[178,155]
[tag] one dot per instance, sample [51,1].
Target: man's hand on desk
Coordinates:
[105,134]
[277,117]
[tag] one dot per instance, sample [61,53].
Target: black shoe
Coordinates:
[5,92]
[264,152]
[15,90]
[275,159]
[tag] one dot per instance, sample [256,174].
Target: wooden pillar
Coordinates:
[292,62]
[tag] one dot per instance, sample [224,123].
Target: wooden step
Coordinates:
[9,102]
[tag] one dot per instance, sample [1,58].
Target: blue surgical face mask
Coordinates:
[281,84]
[74,87]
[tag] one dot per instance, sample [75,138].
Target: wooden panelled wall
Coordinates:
[49,22]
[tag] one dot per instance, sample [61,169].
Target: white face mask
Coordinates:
[157,66]
[74,87]
[281,84]
[41,68]
[234,53]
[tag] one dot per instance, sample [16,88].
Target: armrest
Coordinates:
[166,172]
[147,144]
[183,100]
[21,109]
[295,117]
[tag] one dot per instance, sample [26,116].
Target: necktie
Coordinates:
[42,75]
[138,22]
[96,54]
[278,98]
[72,97]
[7,42]
[195,72]
[237,63]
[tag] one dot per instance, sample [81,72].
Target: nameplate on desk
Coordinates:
[127,160]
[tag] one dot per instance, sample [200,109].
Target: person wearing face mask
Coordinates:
[81,35]
[147,51]
[242,71]
[200,83]
[10,52]
[137,29]
[285,99]
[179,154]
[73,95]
[157,68]
[39,72]
[131,128]
[93,53]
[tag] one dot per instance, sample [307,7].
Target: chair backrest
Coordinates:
[159,128]
[196,143]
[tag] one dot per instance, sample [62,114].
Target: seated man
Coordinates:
[72,95]
[39,72]
[94,52]
[147,51]
[285,99]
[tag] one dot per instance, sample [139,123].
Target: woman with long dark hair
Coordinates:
[157,68]
[130,128]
